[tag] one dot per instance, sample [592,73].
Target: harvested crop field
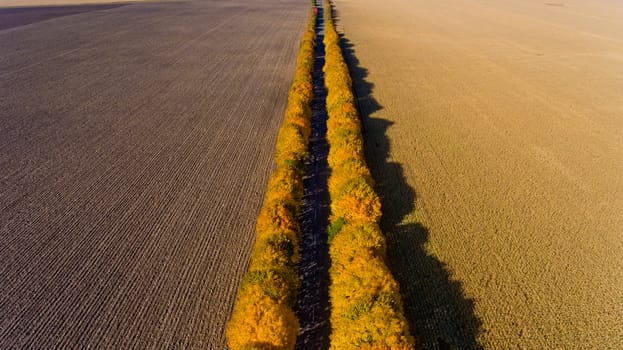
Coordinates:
[136,146]
[494,131]
[18,16]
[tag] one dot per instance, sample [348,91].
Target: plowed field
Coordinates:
[494,130]
[135,146]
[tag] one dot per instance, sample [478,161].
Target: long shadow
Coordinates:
[439,314]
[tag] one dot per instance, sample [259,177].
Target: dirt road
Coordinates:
[494,130]
[136,142]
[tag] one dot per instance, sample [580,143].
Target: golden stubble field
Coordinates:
[494,130]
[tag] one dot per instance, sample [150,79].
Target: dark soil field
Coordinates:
[19,16]
[136,142]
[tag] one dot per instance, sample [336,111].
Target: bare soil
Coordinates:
[18,16]
[60,3]
[494,131]
[136,146]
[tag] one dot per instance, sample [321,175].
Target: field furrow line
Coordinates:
[125,220]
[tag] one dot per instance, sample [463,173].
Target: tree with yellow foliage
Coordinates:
[263,316]
[366,307]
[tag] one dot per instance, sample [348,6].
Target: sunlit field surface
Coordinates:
[494,131]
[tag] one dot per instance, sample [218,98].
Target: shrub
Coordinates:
[348,169]
[356,200]
[259,322]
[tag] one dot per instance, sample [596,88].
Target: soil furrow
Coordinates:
[132,174]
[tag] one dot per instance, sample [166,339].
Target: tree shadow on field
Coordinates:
[439,315]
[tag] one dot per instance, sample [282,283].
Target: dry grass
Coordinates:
[493,129]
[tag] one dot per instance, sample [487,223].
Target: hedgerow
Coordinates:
[263,316]
[366,307]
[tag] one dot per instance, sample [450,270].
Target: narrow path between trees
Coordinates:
[312,308]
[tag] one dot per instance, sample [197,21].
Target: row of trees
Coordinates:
[366,307]
[263,315]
